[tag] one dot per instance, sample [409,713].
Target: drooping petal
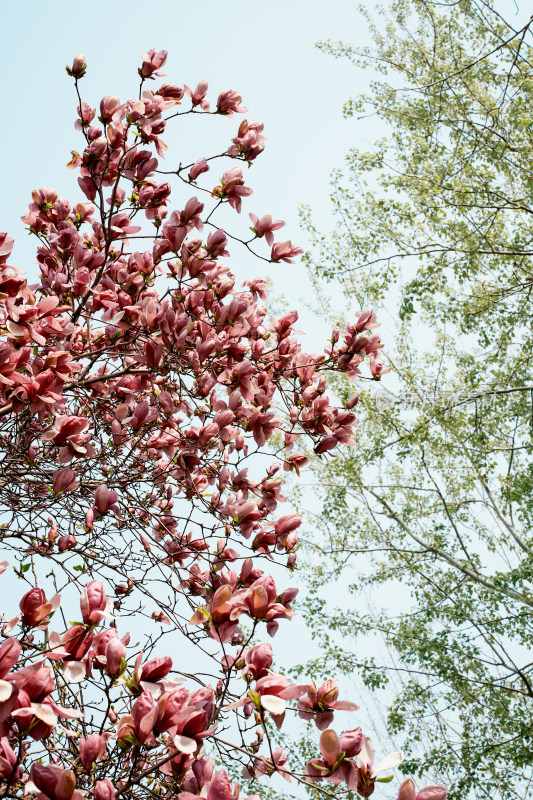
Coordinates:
[389,762]
[276,705]
[185,744]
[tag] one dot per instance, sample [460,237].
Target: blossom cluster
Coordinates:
[149,409]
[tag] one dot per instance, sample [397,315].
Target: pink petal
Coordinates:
[185,744]
[5,690]
[74,671]
[344,705]
[389,762]
[276,705]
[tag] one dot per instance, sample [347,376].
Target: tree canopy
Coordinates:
[434,225]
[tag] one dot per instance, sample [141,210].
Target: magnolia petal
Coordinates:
[344,705]
[276,705]
[236,704]
[44,712]
[74,671]
[11,623]
[293,691]
[55,602]
[155,689]
[366,754]
[67,713]
[55,647]
[185,744]
[6,690]
[3,566]
[389,762]
[14,329]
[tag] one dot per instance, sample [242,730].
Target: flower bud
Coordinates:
[115,651]
[407,790]
[104,790]
[93,603]
[91,750]
[66,543]
[78,68]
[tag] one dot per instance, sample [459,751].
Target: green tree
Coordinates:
[436,221]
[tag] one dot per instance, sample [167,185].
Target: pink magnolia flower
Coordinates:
[105,500]
[198,168]
[69,433]
[104,790]
[152,61]
[267,766]
[295,461]
[367,772]
[161,617]
[54,783]
[366,320]
[36,609]
[198,95]
[8,759]
[266,227]
[91,750]
[67,542]
[65,480]
[272,692]
[71,648]
[285,251]
[78,68]
[249,142]
[232,188]
[115,652]
[148,676]
[322,702]
[229,103]
[218,788]
[171,92]
[336,764]
[109,106]
[257,661]
[94,603]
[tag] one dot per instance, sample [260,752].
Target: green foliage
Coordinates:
[430,518]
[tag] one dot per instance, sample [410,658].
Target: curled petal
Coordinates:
[276,705]
[185,744]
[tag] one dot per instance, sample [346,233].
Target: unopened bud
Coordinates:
[78,68]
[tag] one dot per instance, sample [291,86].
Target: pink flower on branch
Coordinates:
[137,359]
[229,103]
[152,61]
[285,251]
[319,704]
[232,188]
[266,227]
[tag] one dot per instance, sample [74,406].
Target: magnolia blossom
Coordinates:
[141,394]
[319,704]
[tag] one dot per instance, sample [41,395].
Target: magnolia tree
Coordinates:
[148,407]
